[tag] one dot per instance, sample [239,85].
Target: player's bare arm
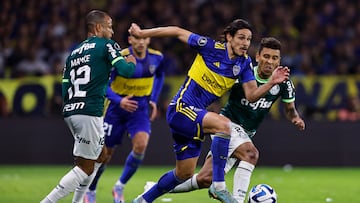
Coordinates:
[168,31]
[153,110]
[293,116]
[253,92]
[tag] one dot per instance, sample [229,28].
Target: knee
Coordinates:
[252,156]
[140,142]
[140,147]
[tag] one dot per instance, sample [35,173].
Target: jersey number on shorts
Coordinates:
[107,128]
[79,77]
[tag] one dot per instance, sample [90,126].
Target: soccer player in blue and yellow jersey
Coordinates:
[214,71]
[246,117]
[128,110]
[85,78]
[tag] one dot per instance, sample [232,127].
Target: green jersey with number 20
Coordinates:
[249,115]
[86,75]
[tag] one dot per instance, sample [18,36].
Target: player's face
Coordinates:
[139,45]
[107,30]
[239,43]
[268,59]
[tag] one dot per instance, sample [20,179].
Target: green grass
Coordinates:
[300,185]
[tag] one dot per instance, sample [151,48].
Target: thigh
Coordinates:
[238,137]
[88,135]
[139,121]
[114,125]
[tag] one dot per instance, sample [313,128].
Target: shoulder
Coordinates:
[154,52]
[125,52]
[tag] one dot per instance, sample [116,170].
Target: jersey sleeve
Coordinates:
[122,67]
[288,94]
[200,42]
[247,74]
[158,82]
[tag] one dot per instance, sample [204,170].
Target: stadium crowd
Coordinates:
[319,37]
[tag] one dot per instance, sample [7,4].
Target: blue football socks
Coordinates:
[219,150]
[132,163]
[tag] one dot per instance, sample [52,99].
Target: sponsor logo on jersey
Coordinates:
[212,83]
[275,90]
[84,47]
[82,140]
[74,106]
[261,103]
[202,41]
[236,70]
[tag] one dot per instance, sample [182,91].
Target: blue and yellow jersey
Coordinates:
[212,73]
[146,82]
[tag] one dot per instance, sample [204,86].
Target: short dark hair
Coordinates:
[270,42]
[94,17]
[236,25]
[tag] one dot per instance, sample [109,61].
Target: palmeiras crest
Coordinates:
[275,90]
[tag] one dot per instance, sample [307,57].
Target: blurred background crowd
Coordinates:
[319,37]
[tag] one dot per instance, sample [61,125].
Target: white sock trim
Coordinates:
[246,165]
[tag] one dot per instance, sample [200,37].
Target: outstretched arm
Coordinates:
[169,31]
[293,116]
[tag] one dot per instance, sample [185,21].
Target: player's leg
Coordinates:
[248,154]
[188,136]
[132,163]
[90,195]
[138,126]
[88,145]
[200,180]
[220,127]
[114,129]
[241,148]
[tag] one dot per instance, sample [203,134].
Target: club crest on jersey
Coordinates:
[236,70]
[152,69]
[275,90]
[202,41]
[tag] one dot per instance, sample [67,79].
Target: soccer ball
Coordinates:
[262,193]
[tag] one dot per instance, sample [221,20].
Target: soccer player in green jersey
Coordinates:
[246,117]
[85,79]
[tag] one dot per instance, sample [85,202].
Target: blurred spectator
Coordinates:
[31,65]
[352,111]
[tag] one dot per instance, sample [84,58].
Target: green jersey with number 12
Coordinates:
[249,115]
[86,76]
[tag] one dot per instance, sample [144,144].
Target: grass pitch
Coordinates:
[294,185]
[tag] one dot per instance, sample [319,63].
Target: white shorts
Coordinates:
[238,137]
[88,135]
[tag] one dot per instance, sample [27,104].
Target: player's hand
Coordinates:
[153,110]
[280,74]
[130,58]
[134,30]
[299,123]
[128,105]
